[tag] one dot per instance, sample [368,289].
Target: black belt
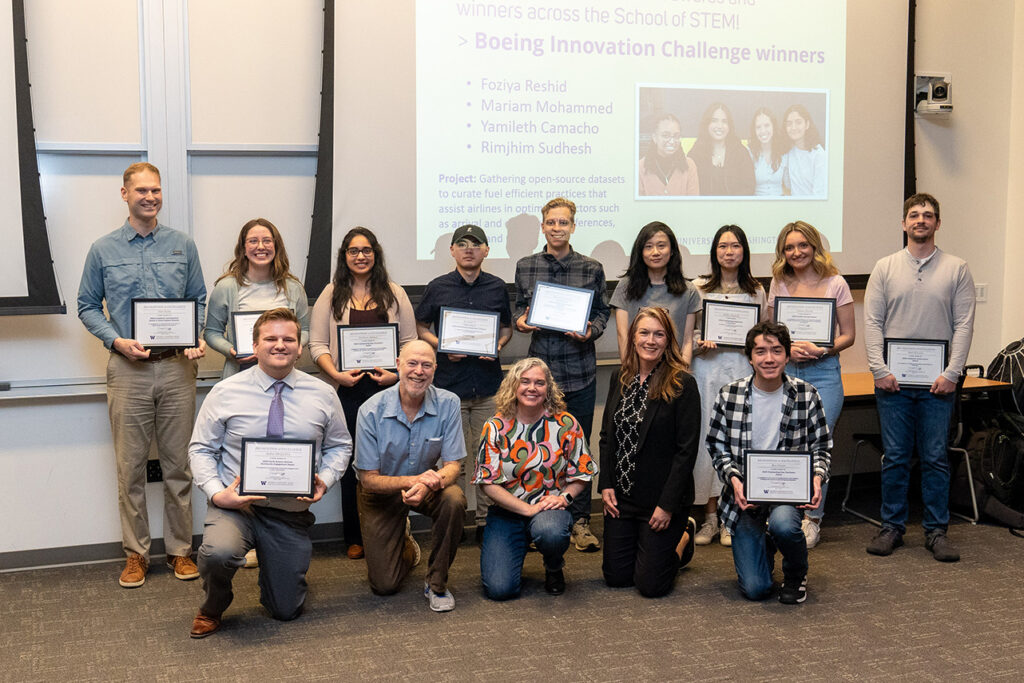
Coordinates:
[161,355]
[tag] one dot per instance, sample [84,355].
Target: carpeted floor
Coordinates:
[905,616]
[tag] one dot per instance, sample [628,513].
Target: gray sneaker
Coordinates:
[439,602]
[581,537]
[707,532]
[887,540]
[942,548]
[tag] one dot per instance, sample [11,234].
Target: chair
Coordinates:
[956,432]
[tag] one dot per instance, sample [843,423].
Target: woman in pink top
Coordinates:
[803,268]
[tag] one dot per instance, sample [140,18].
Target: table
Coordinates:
[860,386]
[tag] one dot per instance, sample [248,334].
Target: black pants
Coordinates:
[635,555]
[351,399]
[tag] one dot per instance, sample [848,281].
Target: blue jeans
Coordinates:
[580,404]
[911,416]
[827,377]
[753,552]
[506,539]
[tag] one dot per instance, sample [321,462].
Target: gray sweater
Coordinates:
[914,298]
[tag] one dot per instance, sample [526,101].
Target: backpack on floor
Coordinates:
[1008,366]
[996,453]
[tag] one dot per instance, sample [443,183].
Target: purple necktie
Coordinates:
[275,418]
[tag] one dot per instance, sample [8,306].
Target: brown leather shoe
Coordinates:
[355,552]
[134,574]
[203,625]
[183,567]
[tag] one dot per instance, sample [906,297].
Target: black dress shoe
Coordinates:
[554,582]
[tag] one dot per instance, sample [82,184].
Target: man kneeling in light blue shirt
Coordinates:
[402,434]
[276,401]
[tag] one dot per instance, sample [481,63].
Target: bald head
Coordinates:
[416,363]
[416,346]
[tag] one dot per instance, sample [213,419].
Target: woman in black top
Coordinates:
[648,447]
[723,163]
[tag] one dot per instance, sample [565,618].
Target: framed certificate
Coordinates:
[473,333]
[560,307]
[165,322]
[916,362]
[726,322]
[367,347]
[774,477]
[809,319]
[277,467]
[242,323]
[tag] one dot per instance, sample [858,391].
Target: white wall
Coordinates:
[965,160]
[56,462]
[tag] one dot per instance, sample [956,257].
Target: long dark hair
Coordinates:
[380,284]
[746,281]
[239,266]
[639,278]
[812,138]
[703,145]
[778,145]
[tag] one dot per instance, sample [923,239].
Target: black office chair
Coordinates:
[956,433]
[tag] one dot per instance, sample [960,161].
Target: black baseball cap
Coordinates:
[472,231]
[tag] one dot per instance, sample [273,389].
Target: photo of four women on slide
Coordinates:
[654,463]
[781,157]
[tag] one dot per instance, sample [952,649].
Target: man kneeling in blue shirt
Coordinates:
[402,434]
[277,401]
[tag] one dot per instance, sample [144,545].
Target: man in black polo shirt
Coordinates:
[474,379]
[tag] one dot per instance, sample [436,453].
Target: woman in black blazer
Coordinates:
[648,447]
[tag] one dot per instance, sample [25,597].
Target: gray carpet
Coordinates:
[906,617]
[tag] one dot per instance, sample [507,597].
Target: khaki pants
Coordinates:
[147,401]
[475,414]
[382,517]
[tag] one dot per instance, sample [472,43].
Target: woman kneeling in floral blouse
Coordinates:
[533,461]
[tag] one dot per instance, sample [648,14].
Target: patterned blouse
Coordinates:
[533,460]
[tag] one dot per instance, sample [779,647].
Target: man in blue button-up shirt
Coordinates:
[402,434]
[151,391]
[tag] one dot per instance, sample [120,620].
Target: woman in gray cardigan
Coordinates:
[257,279]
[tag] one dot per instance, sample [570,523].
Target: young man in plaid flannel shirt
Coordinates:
[767,411]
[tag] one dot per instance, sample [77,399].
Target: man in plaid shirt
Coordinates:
[571,356]
[747,416]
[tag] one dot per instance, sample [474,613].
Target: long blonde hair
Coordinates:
[505,400]
[667,381]
[822,262]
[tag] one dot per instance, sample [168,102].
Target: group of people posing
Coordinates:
[679,416]
[773,163]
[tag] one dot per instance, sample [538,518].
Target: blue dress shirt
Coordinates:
[387,442]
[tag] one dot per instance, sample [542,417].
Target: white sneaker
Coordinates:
[439,602]
[725,538]
[251,560]
[812,531]
[707,532]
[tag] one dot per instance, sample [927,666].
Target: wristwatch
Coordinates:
[568,497]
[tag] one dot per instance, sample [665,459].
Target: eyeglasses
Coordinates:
[562,222]
[467,244]
[257,241]
[668,136]
[357,251]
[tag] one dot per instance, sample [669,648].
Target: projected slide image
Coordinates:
[636,111]
[731,142]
